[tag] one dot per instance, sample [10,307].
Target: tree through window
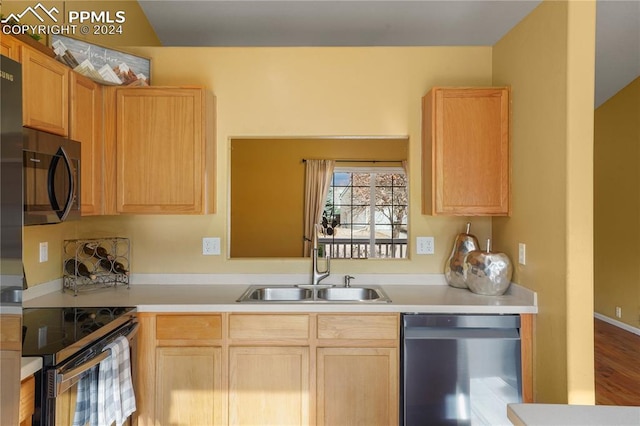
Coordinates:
[366,214]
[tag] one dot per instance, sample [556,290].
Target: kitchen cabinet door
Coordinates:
[357,369]
[27,400]
[188,386]
[10,47]
[465,152]
[45,92]
[269,386]
[85,123]
[163,159]
[357,386]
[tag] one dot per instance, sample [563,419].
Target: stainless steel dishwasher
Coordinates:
[459,369]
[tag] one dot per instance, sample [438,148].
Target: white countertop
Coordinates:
[431,298]
[572,415]
[29,366]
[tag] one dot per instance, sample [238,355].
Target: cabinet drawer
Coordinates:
[261,327]
[358,327]
[188,327]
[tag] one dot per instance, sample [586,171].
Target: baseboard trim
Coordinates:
[617,323]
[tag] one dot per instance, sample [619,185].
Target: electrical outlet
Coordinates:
[44,252]
[211,246]
[618,312]
[425,245]
[522,253]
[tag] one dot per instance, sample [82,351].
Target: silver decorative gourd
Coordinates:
[487,273]
[453,270]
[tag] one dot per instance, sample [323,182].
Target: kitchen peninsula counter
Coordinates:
[431,298]
[572,415]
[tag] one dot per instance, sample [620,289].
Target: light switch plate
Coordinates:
[211,246]
[44,252]
[522,253]
[425,245]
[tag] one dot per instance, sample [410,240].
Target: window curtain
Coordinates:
[317,181]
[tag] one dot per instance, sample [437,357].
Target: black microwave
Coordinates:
[51,180]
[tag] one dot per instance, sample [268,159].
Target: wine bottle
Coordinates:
[96,251]
[113,266]
[75,268]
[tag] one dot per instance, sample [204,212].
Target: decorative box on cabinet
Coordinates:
[159,150]
[465,151]
[45,92]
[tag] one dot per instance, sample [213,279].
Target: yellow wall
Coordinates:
[548,59]
[271,172]
[617,205]
[290,92]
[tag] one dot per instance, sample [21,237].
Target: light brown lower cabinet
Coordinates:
[272,369]
[267,369]
[357,386]
[180,375]
[268,386]
[27,400]
[188,386]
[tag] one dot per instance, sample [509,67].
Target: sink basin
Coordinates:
[309,294]
[276,294]
[361,294]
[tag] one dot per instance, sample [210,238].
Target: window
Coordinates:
[365,215]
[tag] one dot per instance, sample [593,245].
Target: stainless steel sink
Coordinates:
[276,294]
[360,294]
[308,294]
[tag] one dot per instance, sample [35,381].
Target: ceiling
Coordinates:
[389,23]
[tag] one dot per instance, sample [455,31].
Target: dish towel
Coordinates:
[87,397]
[115,397]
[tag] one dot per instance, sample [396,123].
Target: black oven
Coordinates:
[72,343]
[51,166]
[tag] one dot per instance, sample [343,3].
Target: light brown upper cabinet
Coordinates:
[160,150]
[10,48]
[85,126]
[465,151]
[45,92]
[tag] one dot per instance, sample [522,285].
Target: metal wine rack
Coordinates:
[105,260]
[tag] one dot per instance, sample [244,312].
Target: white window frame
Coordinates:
[372,201]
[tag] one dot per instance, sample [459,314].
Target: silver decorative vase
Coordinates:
[453,270]
[487,273]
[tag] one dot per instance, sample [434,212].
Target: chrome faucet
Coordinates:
[317,274]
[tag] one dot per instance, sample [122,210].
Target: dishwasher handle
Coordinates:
[419,333]
[473,321]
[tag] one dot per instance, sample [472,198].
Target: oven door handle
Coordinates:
[65,379]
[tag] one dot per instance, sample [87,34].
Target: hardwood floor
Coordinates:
[617,365]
